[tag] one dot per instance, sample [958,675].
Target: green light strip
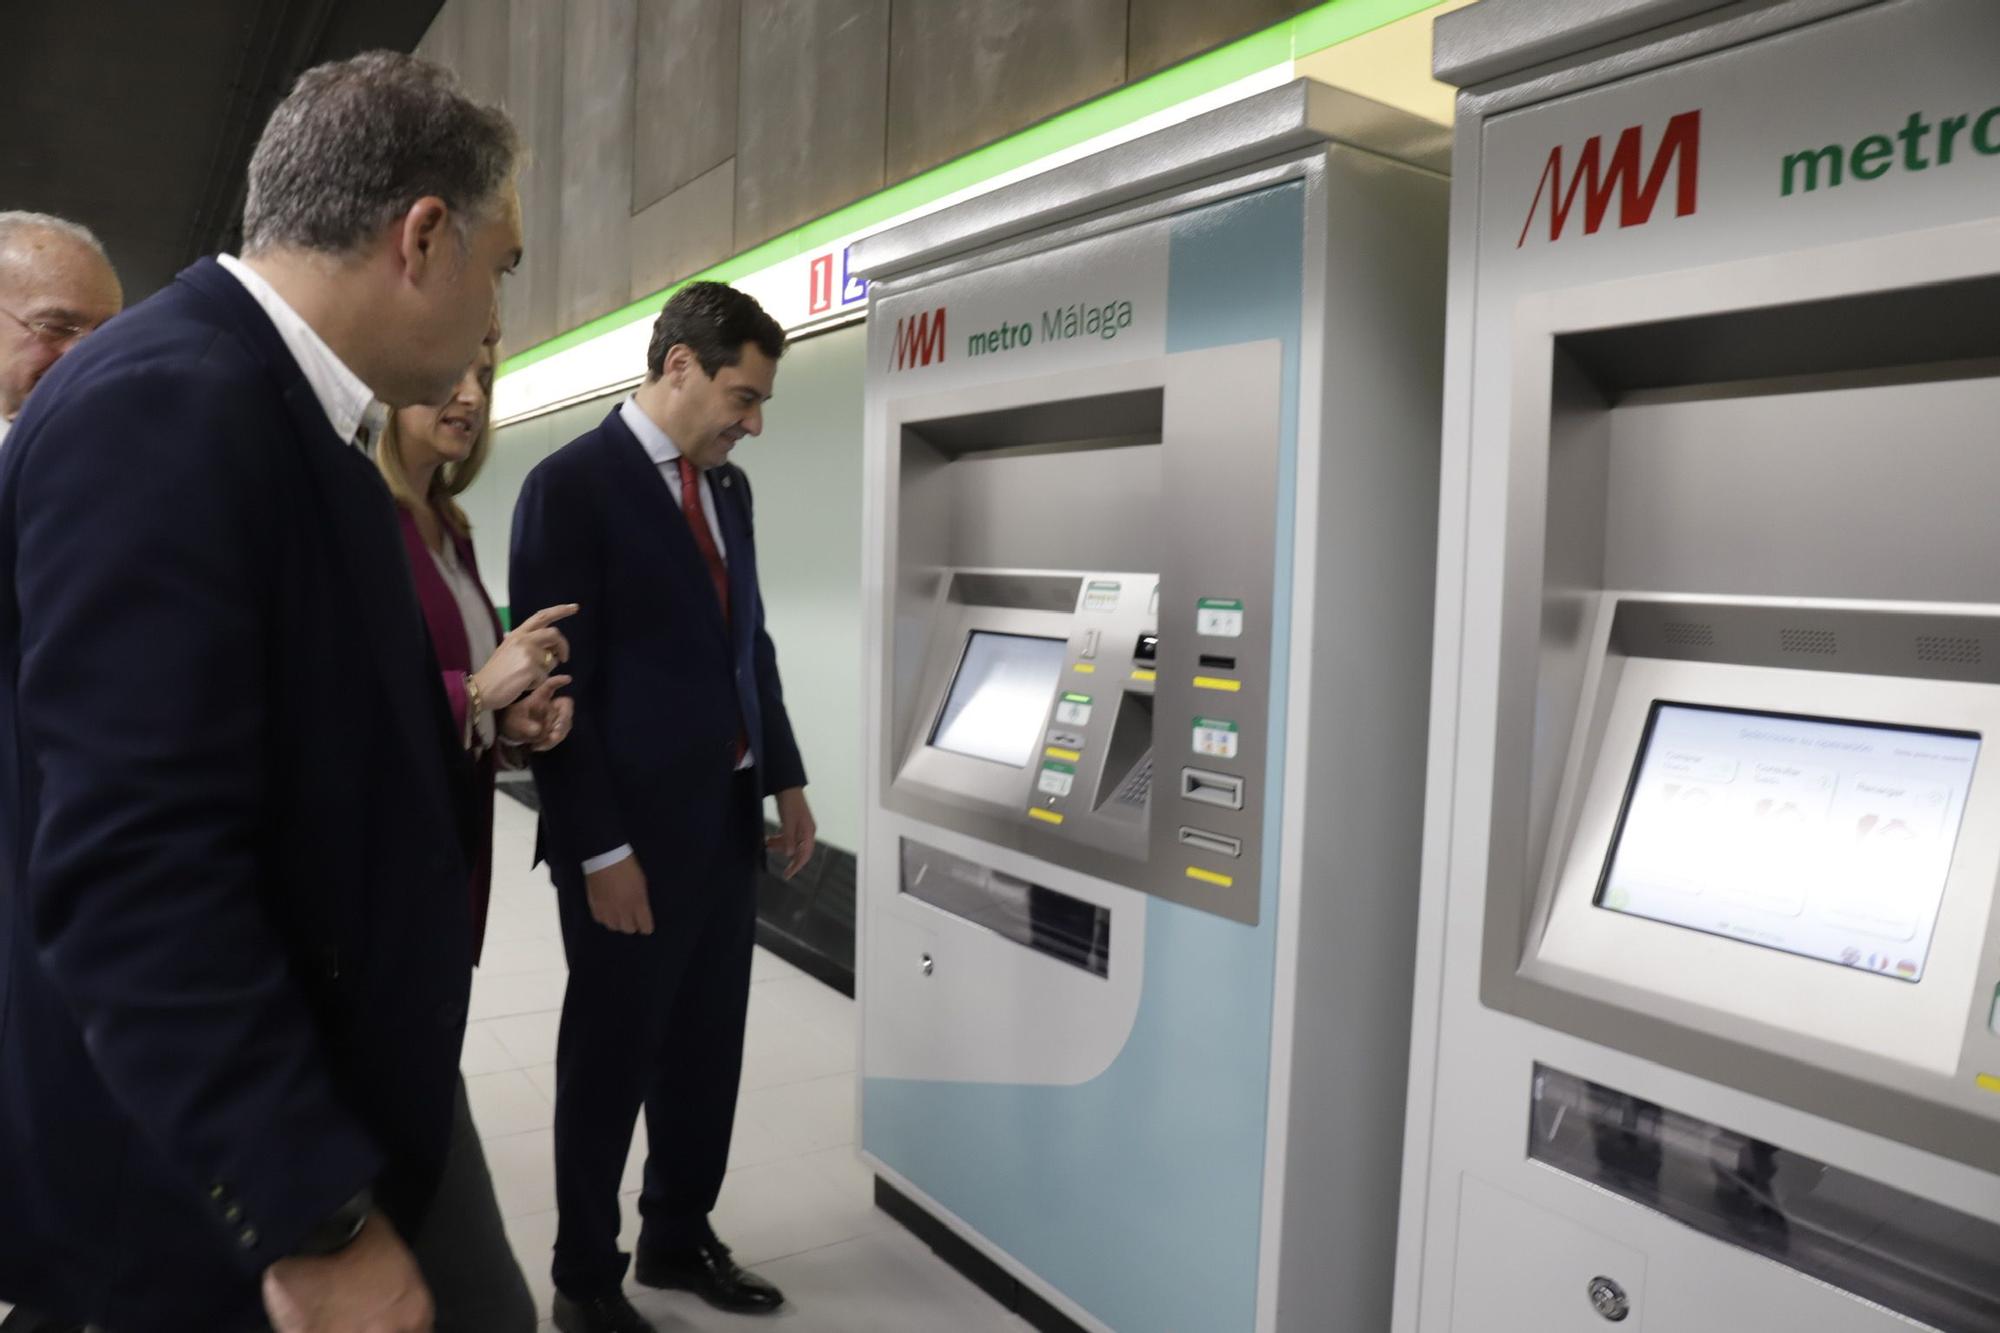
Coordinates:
[1314,30]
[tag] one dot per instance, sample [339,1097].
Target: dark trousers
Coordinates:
[462,1248]
[653,1021]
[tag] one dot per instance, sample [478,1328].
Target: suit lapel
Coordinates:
[358,525]
[639,477]
[360,528]
[732,516]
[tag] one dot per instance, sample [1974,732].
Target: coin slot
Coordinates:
[1218,662]
[1203,841]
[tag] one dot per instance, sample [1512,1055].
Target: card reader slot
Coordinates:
[1219,789]
[1203,841]
[1218,662]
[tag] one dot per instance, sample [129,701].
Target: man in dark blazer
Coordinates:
[652,811]
[234,935]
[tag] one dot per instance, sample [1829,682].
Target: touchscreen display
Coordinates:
[1820,837]
[999,700]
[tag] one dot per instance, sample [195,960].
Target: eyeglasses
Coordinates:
[48,330]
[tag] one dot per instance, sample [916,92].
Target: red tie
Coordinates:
[718,572]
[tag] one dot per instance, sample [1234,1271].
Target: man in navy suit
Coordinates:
[234,933]
[652,811]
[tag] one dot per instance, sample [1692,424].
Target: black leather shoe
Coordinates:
[708,1271]
[610,1313]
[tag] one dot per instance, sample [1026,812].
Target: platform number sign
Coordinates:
[823,292]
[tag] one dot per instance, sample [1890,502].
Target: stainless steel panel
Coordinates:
[1199,512]
[1899,1250]
[1500,37]
[1858,640]
[1034,916]
[810,110]
[1258,129]
[685,94]
[963,75]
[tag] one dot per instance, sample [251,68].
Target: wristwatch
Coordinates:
[340,1229]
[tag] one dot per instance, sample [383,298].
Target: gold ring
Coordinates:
[548,660]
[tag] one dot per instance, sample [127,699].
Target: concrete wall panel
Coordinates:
[596,229]
[685,107]
[811,110]
[534,98]
[1165,32]
[685,232]
[964,74]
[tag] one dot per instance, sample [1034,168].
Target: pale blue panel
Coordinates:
[1139,1194]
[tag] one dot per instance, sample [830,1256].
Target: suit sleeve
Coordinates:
[144,597]
[782,767]
[555,558]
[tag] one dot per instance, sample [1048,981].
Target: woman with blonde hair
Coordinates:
[504,699]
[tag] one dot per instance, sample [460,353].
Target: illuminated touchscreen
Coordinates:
[999,700]
[1819,837]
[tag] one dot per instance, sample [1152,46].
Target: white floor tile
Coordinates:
[544,1079]
[767,966]
[524,1171]
[529,1038]
[801,1118]
[483,1053]
[508,1103]
[513,957]
[791,1206]
[499,995]
[533,1236]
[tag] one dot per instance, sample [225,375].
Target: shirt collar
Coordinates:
[348,403]
[651,438]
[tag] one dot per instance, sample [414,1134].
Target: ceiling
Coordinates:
[137,118]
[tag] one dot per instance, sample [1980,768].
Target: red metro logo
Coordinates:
[1679,150]
[919,340]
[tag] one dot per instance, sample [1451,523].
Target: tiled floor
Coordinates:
[797,1204]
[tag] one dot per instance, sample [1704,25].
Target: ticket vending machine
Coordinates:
[1708,1002]
[1151,489]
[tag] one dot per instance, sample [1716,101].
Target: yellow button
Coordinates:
[1068,756]
[1217,683]
[1046,816]
[1209,876]
[1085,668]
[1988,1082]
[1143,674]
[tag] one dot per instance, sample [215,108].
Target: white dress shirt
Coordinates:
[666,456]
[350,405]
[6,424]
[480,640]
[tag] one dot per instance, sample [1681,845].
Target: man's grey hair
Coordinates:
[360,141]
[15,225]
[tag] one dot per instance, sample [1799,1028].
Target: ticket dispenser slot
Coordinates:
[1220,789]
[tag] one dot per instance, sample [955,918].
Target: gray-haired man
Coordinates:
[236,933]
[56,285]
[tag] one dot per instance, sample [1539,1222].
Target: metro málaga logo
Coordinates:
[919,340]
[1622,178]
